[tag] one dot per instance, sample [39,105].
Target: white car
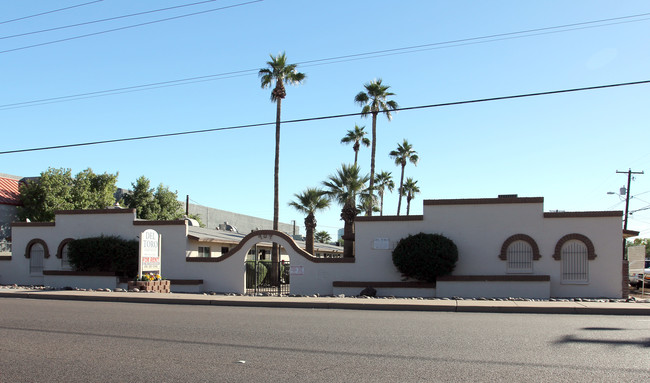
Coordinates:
[636,279]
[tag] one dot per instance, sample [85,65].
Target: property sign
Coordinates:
[297,270]
[636,258]
[381,244]
[150,251]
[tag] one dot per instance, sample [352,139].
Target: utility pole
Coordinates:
[627,193]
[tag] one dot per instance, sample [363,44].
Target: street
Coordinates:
[70,341]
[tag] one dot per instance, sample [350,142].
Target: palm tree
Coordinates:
[411,189]
[402,155]
[309,202]
[358,137]
[344,186]
[373,101]
[278,72]
[383,180]
[323,237]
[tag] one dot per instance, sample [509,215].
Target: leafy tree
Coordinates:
[425,256]
[383,180]
[343,187]
[373,101]
[56,189]
[411,189]
[158,204]
[309,202]
[358,137]
[402,155]
[278,72]
[323,237]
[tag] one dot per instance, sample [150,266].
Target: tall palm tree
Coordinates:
[383,180]
[358,136]
[278,72]
[309,202]
[373,101]
[411,189]
[402,155]
[343,187]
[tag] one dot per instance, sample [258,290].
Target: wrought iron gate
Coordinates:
[267,277]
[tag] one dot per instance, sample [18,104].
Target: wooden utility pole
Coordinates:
[627,193]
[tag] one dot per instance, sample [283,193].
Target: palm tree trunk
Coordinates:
[381,202]
[275,250]
[401,185]
[372,162]
[408,204]
[310,226]
[348,213]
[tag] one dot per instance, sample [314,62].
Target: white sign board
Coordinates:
[297,270]
[636,258]
[149,252]
[381,244]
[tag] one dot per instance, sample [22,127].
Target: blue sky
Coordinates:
[565,148]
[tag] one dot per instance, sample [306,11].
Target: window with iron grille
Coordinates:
[36,256]
[575,262]
[519,257]
[65,261]
[204,251]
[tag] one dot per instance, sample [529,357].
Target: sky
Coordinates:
[564,147]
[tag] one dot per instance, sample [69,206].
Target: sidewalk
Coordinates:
[349,303]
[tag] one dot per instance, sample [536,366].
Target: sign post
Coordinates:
[150,253]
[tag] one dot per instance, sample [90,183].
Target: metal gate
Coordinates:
[267,277]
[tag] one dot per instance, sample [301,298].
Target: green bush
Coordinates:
[262,271]
[425,256]
[105,254]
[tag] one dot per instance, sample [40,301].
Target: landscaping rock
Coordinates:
[368,292]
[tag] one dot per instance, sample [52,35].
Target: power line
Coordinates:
[104,20]
[48,12]
[325,61]
[129,26]
[183,133]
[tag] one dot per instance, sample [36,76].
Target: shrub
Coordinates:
[262,270]
[425,256]
[105,254]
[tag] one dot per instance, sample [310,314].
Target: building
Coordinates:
[9,202]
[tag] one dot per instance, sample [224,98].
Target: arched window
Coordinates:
[519,251]
[36,256]
[62,253]
[519,257]
[575,262]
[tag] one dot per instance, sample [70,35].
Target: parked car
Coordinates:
[636,279]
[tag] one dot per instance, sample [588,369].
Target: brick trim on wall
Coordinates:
[59,250]
[591,254]
[389,218]
[5,257]
[494,278]
[482,201]
[519,237]
[80,273]
[34,241]
[583,214]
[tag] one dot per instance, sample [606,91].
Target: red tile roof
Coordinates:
[9,194]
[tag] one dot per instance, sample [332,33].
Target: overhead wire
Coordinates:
[104,20]
[49,12]
[130,26]
[182,133]
[324,61]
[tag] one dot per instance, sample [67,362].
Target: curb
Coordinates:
[575,308]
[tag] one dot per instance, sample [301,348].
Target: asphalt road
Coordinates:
[69,341]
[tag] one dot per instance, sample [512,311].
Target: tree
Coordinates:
[309,202]
[343,187]
[278,72]
[383,180]
[323,237]
[158,204]
[358,137]
[402,155]
[373,101]
[56,189]
[411,189]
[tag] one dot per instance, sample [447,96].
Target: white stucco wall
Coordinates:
[479,229]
